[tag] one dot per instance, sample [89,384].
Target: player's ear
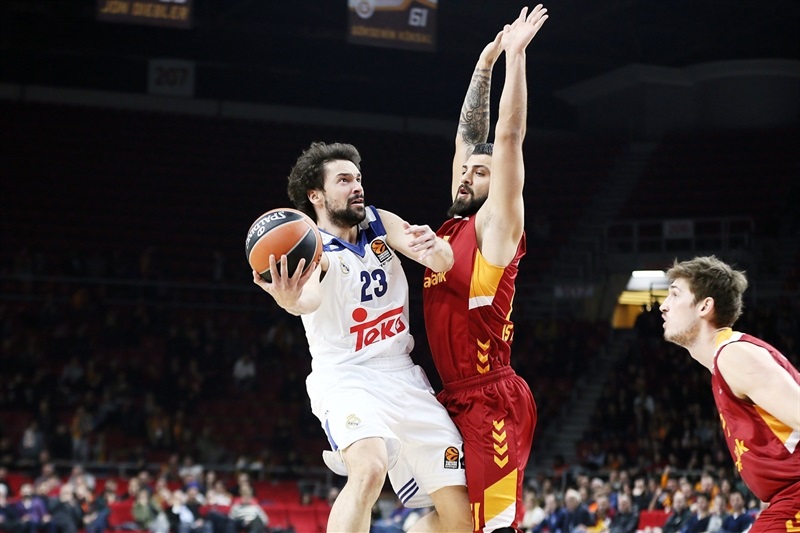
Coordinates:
[707,306]
[315,196]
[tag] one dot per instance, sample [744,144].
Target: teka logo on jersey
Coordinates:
[383,327]
[381,251]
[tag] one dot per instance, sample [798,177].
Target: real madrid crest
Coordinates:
[352,422]
[343,266]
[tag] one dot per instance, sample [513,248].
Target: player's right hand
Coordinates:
[286,287]
[492,51]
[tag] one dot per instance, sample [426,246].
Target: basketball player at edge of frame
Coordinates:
[376,406]
[756,389]
[467,310]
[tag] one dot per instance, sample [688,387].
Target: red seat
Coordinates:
[652,519]
[305,519]
[121,512]
[278,516]
[16,480]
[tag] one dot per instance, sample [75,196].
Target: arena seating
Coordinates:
[718,174]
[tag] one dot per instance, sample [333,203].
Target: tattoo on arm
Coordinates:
[473,124]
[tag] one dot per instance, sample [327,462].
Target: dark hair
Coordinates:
[708,277]
[483,149]
[308,172]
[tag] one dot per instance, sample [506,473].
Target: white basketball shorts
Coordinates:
[390,398]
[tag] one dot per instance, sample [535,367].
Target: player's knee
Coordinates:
[368,475]
[455,518]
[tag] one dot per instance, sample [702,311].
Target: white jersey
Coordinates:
[364,309]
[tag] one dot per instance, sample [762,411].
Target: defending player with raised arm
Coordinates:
[468,309]
[756,389]
[376,406]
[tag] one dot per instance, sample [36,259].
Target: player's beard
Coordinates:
[685,337]
[465,207]
[347,217]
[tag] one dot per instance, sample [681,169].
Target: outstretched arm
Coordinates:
[500,221]
[473,122]
[419,243]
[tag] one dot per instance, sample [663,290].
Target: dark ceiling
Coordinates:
[294,52]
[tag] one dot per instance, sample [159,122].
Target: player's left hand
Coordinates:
[519,34]
[424,241]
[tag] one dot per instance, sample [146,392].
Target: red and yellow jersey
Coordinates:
[764,450]
[468,308]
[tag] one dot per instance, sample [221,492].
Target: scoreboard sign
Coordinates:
[170,77]
[171,13]
[408,24]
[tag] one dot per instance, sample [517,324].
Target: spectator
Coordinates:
[577,516]
[698,522]
[219,502]
[191,473]
[47,481]
[31,510]
[132,490]
[627,518]
[8,456]
[195,501]
[640,494]
[79,476]
[719,510]
[60,443]
[4,483]
[602,515]
[148,513]
[81,428]
[65,515]
[244,371]
[679,516]
[738,520]
[8,513]
[184,516]
[208,450]
[399,520]
[333,493]
[96,510]
[242,480]
[247,514]
[534,513]
[663,494]
[31,444]
[158,428]
[71,378]
[554,516]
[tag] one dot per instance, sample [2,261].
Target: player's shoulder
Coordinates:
[737,362]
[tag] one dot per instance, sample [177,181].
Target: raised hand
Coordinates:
[492,51]
[517,35]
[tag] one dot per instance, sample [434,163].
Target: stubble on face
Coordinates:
[685,337]
[349,216]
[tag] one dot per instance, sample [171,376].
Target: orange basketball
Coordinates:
[279,232]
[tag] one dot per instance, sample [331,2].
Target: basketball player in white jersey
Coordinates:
[375,405]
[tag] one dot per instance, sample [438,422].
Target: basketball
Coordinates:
[279,232]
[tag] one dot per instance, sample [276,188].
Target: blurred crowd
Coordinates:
[102,368]
[125,369]
[190,500]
